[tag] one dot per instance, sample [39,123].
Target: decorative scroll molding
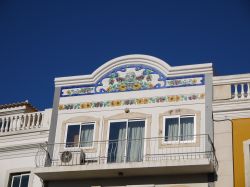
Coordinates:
[134,101]
[132,78]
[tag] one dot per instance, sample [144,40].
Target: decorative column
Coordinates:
[38,119]
[235,91]
[7,124]
[2,125]
[12,119]
[242,95]
[248,90]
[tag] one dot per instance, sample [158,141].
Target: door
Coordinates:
[126,141]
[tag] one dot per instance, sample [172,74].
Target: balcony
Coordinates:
[232,87]
[231,96]
[19,122]
[148,156]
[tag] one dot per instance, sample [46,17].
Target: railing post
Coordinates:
[248,90]
[7,124]
[30,121]
[42,120]
[12,119]
[38,119]
[32,125]
[25,121]
[235,91]
[2,124]
[242,94]
[18,123]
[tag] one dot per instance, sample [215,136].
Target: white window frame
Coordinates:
[246,150]
[80,124]
[126,136]
[179,124]
[21,175]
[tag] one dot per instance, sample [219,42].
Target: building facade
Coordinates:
[135,121]
[22,130]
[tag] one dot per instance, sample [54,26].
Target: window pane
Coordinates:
[117,135]
[16,181]
[25,181]
[187,128]
[171,129]
[135,141]
[73,136]
[87,132]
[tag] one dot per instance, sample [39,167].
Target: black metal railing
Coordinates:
[126,151]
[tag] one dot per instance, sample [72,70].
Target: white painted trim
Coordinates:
[19,170]
[178,141]
[231,79]
[246,149]
[127,120]
[157,63]
[80,124]
[25,131]
[230,109]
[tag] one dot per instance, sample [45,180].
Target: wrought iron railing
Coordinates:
[127,151]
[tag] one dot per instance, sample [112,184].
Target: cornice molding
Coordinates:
[19,147]
[231,109]
[157,63]
[231,79]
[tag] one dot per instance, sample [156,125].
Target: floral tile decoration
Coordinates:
[78,91]
[135,101]
[132,78]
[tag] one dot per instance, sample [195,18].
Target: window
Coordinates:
[19,180]
[126,141]
[80,135]
[179,128]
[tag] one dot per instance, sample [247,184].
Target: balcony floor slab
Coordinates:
[169,167]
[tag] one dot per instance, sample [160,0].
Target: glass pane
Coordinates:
[87,132]
[116,147]
[187,128]
[72,139]
[171,129]
[25,181]
[135,142]
[16,181]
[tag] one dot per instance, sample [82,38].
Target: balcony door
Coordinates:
[126,141]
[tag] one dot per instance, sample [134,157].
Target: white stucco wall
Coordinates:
[153,109]
[18,150]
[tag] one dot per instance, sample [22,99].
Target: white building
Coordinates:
[135,121]
[22,130]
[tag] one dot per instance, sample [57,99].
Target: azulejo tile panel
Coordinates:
[78,91]
[132,78]
[133,101]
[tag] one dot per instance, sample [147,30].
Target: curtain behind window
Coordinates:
[187,128]
[86,137]
[135,141]
[171,129]
[116,147]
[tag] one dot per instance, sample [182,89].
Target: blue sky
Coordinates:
[40,40]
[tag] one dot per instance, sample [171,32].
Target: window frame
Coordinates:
[126,139]
[80,124]
[179,124]
[13,175]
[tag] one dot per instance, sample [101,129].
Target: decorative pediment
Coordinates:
[131,78]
